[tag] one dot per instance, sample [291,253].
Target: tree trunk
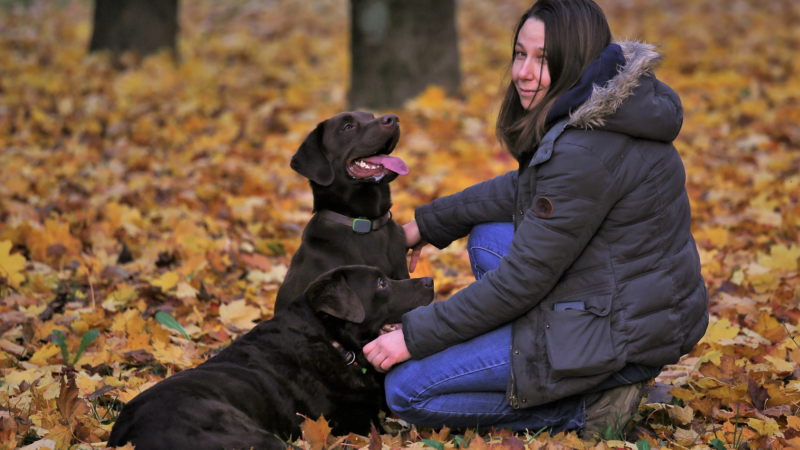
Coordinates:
[142,26]
[399,47]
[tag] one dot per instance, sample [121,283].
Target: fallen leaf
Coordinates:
[167,281]
[316,432]
[70,406]
[238,314]
[11,266]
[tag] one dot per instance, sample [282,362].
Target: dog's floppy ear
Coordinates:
[310,160]
[330,294]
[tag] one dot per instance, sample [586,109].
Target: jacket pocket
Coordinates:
[579,341]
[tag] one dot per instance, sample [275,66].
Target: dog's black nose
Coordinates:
[389,119]
[427,282]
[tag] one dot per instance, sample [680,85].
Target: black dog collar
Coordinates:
[360,225]
[349,356]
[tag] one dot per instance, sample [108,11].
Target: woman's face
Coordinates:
[529,71]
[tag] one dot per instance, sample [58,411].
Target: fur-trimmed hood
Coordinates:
[633,102]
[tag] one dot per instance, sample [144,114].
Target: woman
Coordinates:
[593,282]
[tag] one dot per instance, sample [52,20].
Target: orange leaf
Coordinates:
[316,432]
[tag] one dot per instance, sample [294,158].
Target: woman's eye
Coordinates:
[519,54]
[348,126]
[381,284]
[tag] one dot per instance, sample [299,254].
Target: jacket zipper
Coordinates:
[513,398]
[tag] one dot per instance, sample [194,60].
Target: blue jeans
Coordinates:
[465,385]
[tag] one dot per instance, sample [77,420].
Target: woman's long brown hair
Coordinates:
[576,32]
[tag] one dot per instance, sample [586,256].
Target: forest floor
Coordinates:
[148,212]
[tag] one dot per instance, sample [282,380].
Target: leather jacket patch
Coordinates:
[543,207]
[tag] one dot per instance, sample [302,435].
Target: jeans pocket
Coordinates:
[579,341]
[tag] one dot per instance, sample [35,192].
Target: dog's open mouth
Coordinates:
[376,166]
[389,327]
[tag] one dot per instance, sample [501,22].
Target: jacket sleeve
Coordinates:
[579,187]
[449,218]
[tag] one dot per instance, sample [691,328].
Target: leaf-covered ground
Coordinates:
[135,195]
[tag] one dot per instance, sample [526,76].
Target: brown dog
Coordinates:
[301,361]
[346,159]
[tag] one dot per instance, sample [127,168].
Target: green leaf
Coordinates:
[62,343]
[643,444]
[718,445]
[168,321]
[459,442]
[86,339]
[435,444]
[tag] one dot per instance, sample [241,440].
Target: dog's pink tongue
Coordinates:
[390,162]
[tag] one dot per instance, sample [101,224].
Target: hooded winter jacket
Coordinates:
[601,216]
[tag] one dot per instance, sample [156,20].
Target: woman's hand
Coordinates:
[415,242]
[386,351]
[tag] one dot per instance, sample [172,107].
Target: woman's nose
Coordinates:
[527,71]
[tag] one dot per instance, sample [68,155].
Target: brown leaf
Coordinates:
[375,442]
[8,429]
[501,432]
[727,368]
[255,260]
[316,432]
[69,405]
[477,443]
[758,393]
[441,435]
[513,443]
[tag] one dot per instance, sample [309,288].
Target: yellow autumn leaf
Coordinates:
[119,298]
[683,415]
[167,281]
[713,358]
[718,236]
[239,315]
[781,365]
[170,354]
[126,395]
[87,384]
[793,422]
[720,329]
[43,354]
[780,257]
[767,427]
[11,266]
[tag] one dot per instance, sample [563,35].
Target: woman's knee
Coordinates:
[487,244]
[400,395]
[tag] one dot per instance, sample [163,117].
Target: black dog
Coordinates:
[295,363]
[346,158]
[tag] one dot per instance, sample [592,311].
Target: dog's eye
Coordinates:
[348,126]
[381,283]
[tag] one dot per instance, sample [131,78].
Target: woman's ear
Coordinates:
[311,161]
[330,294]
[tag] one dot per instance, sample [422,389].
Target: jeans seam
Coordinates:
[488,250]
[474,260]
[458,376]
